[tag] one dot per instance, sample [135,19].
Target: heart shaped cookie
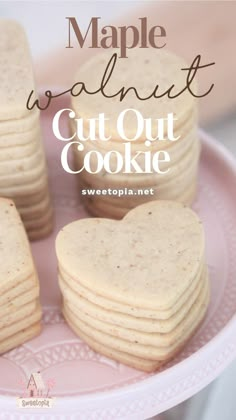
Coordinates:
[147,260]
[135,290]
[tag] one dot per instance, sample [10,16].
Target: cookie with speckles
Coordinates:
[116,208]
[156,339]
[24,143]
[23,335]
[36,210]
[142,69]
[20,294]
[14,316]
[185,132]
[122,357]
[147,71]
[19,286]
[20,166]
[23,169]
[20,176]
[136,349]
[11,150]
[135,290]
[17,127]
[16,258]
[32,191]
[21,324]
[110,211]
[38,227]
[147,260]
[105,180]
[17,79]
[122,315]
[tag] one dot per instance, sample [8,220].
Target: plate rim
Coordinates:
[221,349]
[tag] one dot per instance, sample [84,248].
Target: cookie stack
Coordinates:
[23,171]
[137,299]
[20,311]
[143,69]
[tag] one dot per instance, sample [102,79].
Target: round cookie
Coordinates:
[185,132]
[105,210]
[174,189]
[139,180]
[144,69]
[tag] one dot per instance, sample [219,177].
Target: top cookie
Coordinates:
[142,69]
[146,260]
[16,74]
[16,259]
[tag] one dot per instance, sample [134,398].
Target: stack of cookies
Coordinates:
[143,69]
[140,297]
[23,171]
[20,311]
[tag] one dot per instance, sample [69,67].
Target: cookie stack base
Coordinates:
[106,338]
[138,289]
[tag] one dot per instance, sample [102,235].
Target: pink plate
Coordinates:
[89,386]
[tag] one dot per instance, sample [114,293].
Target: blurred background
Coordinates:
[193,27]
